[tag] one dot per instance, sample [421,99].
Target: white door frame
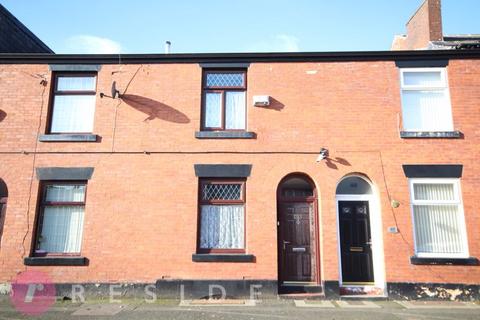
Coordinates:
[375,230]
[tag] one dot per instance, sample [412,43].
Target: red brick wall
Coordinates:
[141,211]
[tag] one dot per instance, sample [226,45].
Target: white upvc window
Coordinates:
[425,100]
[438,218]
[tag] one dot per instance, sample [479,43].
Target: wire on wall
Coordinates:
[43,82]
[119,103]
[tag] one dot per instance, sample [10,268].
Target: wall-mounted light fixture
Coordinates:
[322,155]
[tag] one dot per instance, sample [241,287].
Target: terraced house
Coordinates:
[352,173]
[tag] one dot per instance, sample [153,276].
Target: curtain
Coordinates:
[222,227]
[62,226]
[426,111]
[76,83]
[437,228]
[213,110]
[62,229]
[235,110]
[73,113]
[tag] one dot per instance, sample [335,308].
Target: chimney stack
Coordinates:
[423,27]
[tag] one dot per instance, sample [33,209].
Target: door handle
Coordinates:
[284,243]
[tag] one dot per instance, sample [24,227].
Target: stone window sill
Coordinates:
[68,138]
[225,135]
[431,134]
[445,261]
[197,257]
[56,261]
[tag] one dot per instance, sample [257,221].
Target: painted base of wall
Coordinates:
[177,289]
[260,289]
[433,291]
[417,291]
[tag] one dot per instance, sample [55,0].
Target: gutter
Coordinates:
[344,56]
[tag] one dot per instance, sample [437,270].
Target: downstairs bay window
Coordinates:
[60,221]
[438,219]
[221,216]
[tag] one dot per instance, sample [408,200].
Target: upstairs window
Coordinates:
[425,100]
[439,223]
[73,103]
[224,100]
[222,216]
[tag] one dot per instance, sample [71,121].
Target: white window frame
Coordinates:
[461,216]
[443,86]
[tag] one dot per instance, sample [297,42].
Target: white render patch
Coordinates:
[217,303]
[5,288]
[314,304]
[312,72]
[438,305]
[357,304]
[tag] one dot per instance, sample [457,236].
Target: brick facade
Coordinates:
[141,209]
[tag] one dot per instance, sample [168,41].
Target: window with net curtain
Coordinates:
[222,216]
[60,226]
[426,100]
[439,222]
[224,100]
[73,103]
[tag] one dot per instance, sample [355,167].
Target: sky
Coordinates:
[193,26]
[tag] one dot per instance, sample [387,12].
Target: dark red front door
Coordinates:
[295,241]
[355,242]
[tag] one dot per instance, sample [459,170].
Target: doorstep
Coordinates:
[347,292]
[290,287]
[302,296]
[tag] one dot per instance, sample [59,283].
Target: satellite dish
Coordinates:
[115,92]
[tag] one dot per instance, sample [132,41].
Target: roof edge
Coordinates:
[40,58]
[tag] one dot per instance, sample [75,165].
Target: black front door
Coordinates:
[355,242]
[295,241]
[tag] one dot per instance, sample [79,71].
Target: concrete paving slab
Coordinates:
[314,304]
[108,309]
[217,303]
[438,305]
[357,304]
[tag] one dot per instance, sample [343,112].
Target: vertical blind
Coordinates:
[222,227]
[62,225]
[425,102]
[437,219]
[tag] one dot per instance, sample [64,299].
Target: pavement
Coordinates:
[248,310]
